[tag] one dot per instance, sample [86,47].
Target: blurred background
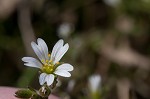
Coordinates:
[109,38]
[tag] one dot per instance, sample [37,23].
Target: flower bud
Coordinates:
[23,93]
[44,91]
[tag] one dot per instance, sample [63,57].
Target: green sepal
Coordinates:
[30,88]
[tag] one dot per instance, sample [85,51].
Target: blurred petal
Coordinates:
[42,78]
[37,51]
[32,62]
[66,67]
[63,73]
[56,48]
[94,82]
[61,53]
[49,79]
[43,46]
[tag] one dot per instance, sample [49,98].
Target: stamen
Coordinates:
[46,61]
[57,63]
[48,67]
[49,55]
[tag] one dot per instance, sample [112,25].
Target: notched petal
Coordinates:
[49,79]
[62,73]
[65,66]
[42,78]
[61,53]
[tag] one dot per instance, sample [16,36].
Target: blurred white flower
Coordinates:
[49,64]
[94,83]
[112,2]
[65,29]
[71,85]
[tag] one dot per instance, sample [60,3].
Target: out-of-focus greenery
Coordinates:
[106,37]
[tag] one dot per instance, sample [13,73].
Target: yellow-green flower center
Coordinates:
[48,67]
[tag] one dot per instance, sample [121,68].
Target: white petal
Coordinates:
[30,65]
[43,46]
[61,53]
[42,78]
[37,51]
[56,48]
[63,73]
[32,62]
[49,79]
[65,66]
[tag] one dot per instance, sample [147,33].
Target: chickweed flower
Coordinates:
[49,62]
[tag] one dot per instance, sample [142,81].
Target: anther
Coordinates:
[57,63]
[49,55]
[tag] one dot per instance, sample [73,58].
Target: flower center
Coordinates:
[48,67]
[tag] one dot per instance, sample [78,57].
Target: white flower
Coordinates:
[112,3]
[65,29]
[94,83]
[49,63]
[71,85]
